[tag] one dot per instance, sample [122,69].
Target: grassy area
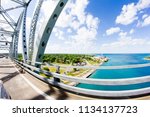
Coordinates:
[93,62]
[76,73]
[68,60]
[45,76]
[63,64]
[53,69]
[71,72]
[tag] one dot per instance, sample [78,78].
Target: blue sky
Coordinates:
[97,26]
[122,27]
[108,10]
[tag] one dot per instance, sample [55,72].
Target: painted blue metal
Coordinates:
[24,45]
[45,32]
[32,30]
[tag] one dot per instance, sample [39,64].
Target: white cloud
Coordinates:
[142,4]
[75,24]
[112,30]
[91,21]
[122,34]
[144,16]
[131,31]
[129,12]
[139,23]
[78,9]
[79,27]
[74,12]
[69,30]
[128,15]
[48,7]
[84,35]
[5,2]
[127,45]
[146,21]
[59,34]
[68,47]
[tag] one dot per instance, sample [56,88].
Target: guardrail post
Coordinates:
[58,72]
[22,70]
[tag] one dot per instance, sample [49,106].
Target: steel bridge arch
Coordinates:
[32,30]
[45,32]
[14,25]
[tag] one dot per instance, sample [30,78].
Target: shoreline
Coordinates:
[86,75]
[89,73]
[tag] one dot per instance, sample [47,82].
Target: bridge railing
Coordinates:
[108,67]
[107,82]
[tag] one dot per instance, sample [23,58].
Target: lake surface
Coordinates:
[121,59]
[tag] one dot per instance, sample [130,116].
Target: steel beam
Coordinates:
[5,32]
[15,37]
[32,29]
[4,47]
[8,42]
[18,1]
[24,45]
[13,46]
[8,19]
[12,8]
[5,22]
[45,32]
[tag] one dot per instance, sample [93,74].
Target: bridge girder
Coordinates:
[15,38]
[4,47]
[5,32]
[32,30]
[24,45]
[8,18]
[14,25]
[19,2]
[5,42]
[45,32]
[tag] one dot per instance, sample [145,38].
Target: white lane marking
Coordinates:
[34,87]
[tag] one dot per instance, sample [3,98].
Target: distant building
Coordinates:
[100,58]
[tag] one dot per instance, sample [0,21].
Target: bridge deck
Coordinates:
[24,86]
[14,83]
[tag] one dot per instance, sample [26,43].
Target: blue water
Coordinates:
[121,59]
